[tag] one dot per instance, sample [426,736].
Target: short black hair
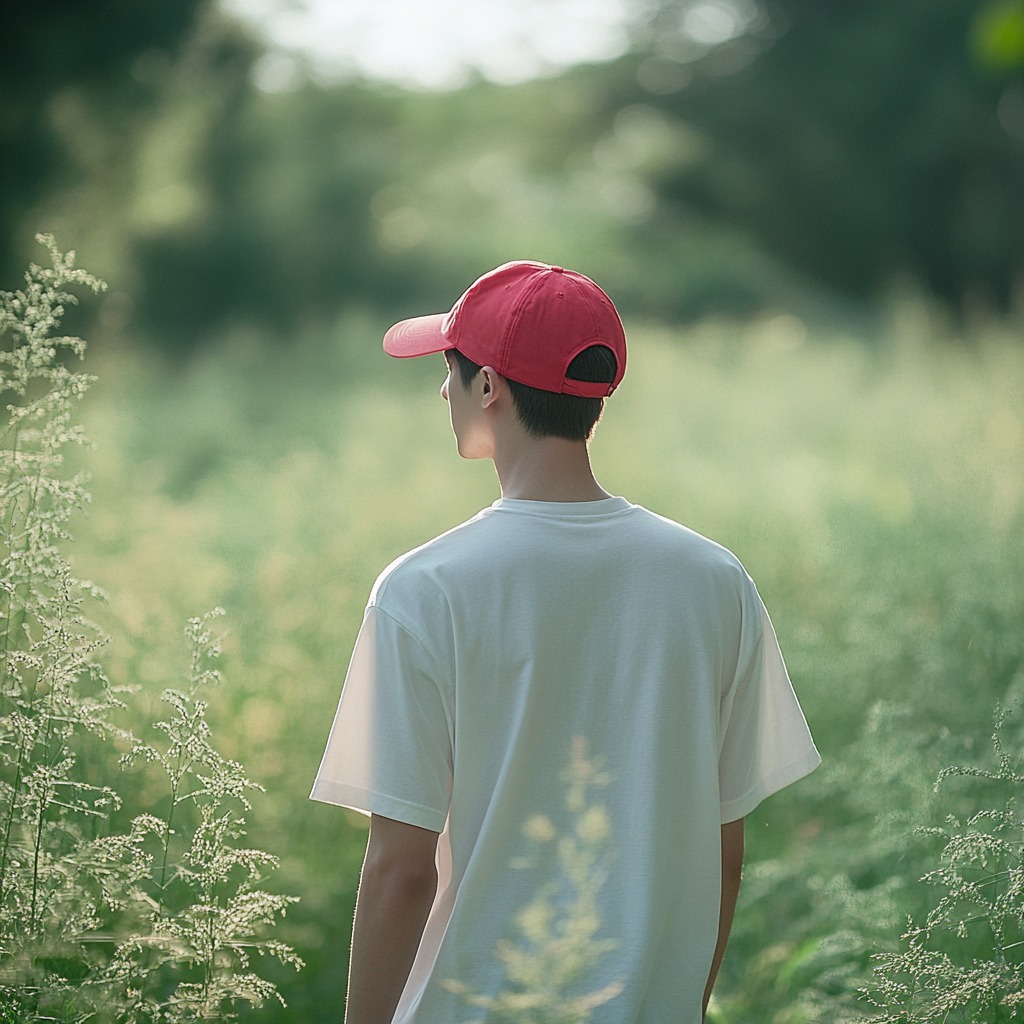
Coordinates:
[546,413]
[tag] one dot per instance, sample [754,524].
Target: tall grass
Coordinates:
[874,491]
[157,922]
[965,961]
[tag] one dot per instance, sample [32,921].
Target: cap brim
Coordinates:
[419,336]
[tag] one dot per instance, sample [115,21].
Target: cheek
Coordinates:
[465,423]
[456,407]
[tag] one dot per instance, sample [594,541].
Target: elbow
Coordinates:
[416,885]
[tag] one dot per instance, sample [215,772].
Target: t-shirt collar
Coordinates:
[563,509]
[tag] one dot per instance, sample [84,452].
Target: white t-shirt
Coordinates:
[483,654]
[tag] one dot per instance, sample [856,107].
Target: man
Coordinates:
[559,614]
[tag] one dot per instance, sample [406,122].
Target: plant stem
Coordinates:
[43,802]
[167,838]
[7,530]
[35,865]
[10,818]
[23,609]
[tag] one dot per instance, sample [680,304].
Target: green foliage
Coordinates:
[558,949]
[69,887]
[65,69]
[966,961]
[998,36]
[838,135]
[819,148]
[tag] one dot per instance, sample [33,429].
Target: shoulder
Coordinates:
[424,567]
[685,568]
[670,538]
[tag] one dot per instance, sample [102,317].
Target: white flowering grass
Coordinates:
[51,688]
[176,898]
[557,947]
[965,963]
[193,889]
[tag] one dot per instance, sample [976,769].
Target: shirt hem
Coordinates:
[337,793]
[733,810]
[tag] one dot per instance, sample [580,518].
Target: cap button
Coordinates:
[558,270]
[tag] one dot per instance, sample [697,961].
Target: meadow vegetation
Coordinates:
[874,492]
[108,911]
[857,443]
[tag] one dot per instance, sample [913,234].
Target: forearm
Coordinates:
[391,911]
[732,867]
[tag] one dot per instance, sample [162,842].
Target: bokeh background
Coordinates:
[812,219]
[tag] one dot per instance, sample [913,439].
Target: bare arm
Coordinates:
[396,890]
[732,868]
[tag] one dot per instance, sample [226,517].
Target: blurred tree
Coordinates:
[136,128]
[216,184]
[855,141]
[105,54]
[279,233]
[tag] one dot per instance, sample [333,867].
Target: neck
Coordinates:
[545,469]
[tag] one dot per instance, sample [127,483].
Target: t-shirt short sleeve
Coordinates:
[390,748]
[764,740]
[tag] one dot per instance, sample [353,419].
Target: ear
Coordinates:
[492,384]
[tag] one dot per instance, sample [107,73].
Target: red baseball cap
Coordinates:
[529,321]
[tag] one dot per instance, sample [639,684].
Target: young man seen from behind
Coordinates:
[558,615]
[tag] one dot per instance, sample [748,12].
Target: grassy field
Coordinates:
[875,493]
